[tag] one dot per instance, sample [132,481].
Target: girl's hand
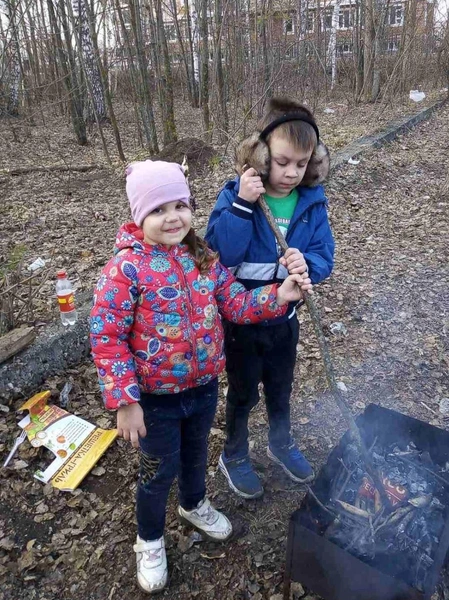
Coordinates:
[293,289]
[130,423]
[251,186]
[294,261]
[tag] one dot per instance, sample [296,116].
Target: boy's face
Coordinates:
[288,165]
[168,224]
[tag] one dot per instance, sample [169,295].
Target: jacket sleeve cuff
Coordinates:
[242,208]
[110,403]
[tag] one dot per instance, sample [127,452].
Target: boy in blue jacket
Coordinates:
[240,233]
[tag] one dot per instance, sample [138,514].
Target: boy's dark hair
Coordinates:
[299,133]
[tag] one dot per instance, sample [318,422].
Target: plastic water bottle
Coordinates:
[66,299]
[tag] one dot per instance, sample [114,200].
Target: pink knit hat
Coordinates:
[150,184]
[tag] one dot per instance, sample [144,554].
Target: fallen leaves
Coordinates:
[389,292]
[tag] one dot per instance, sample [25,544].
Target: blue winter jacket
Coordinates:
[240,233]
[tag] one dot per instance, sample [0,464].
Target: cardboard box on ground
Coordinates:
[76,443]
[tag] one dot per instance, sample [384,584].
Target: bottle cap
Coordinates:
[61,274]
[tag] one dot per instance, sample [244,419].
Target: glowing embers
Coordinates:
[345,545]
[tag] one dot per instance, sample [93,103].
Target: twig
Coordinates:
[320,504]
[340,460]
[370,521]
[430,409]
[345,483]
[26,280]
[112,590]
[394,517]
[46,274]
[373,445]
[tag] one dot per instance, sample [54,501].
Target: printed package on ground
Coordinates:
[76,443]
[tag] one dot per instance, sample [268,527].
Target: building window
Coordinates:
[345,48]
[289,26]
[345,18]
[310,23]
[126,16]
[327,20]
[393,46]
[170,32]
[396,14]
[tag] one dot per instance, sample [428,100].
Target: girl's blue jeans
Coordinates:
[177,426]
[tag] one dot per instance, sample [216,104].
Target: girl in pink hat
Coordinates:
[157,342]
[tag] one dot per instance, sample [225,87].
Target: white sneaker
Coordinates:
[152,572]
[212,524]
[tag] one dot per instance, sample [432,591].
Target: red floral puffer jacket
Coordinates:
[155,324]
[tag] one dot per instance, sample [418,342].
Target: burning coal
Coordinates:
[400,539]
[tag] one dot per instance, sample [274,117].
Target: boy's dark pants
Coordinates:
[177,426]
[257,353]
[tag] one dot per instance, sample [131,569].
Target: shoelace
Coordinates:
[208,514]
[244,467]
[294,454]
[151,555]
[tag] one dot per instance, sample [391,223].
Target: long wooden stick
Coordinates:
[328,366]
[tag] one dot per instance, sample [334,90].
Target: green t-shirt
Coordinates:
[282,209]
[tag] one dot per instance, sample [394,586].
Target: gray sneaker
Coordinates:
[211,523]
[152,573]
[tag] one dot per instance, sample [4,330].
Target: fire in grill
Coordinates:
[400,539]
[344,543]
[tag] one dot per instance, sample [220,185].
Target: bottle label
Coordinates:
[66,302]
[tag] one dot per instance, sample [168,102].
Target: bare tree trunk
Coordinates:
[265,53]
[221,113]
[357,54]
[90,89]
[166,81]
[204,81]
[82,32]
[104,82]
[251,64]
[381,8]
[180,40]
[247,36]
[194,42]
[36,61]
[406,48]
[69,76]
[369,50]
[144,87]
[11,72]
[332,47]
[134,76]
[443,61]
[32,60]
[303,15]
[49,53]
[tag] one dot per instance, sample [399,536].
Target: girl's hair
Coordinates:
[202,254]
[298,133]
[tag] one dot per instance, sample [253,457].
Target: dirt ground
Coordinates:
[389,289]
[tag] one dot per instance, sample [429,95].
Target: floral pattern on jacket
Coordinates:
[155,324]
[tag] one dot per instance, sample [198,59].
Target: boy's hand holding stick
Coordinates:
[328,366]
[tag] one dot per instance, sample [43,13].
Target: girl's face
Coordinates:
[288,165]
[168,224]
